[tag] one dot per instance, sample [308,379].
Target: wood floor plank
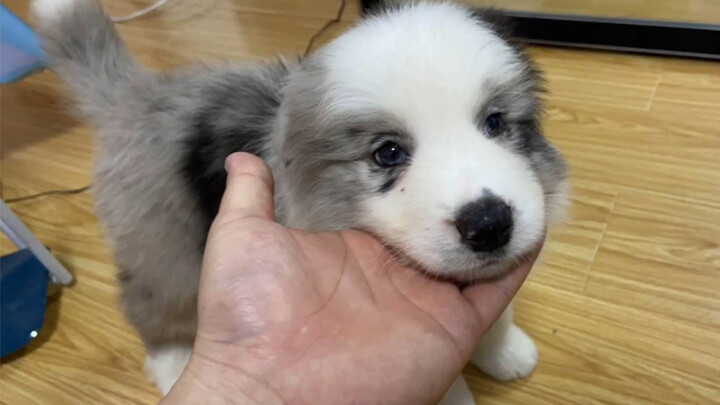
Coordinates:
[617,146]
[597,67]
[600,352]
[572,247]
[691,88]
[42,146]
[661,254]
[605,82]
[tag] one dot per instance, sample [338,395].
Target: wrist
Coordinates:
[202,383]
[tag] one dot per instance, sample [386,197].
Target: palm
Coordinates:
[329,305]
[329,315]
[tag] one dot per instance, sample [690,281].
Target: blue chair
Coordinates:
[24,275]
[20,51]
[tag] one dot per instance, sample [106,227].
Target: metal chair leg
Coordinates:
[24,239]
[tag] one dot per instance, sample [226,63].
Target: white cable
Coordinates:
[139,13]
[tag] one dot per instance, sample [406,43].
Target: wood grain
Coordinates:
[625,305]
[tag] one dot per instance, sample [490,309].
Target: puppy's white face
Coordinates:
[448,164]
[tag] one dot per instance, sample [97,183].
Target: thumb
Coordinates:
[249,188]
[491,298]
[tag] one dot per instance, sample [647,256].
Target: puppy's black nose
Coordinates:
[485,224]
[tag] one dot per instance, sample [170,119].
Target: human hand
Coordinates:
[293,317]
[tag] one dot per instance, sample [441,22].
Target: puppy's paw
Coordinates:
[514,356]
[165,365]
[458,394]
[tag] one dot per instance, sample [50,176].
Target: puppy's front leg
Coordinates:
[506,352]
[458,394]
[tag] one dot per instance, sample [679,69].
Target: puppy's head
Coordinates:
[421,125]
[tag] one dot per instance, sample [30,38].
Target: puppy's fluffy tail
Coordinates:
[85,50]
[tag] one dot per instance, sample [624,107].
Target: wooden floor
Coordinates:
[625,307]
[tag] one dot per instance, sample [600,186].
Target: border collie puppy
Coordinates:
[420,125]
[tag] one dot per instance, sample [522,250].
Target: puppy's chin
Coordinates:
[475,270]
[484,270]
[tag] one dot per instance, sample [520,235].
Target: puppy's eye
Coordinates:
[493,123]
[390,154]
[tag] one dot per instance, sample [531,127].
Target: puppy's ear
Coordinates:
[379,7]
[497,21]
[504,27]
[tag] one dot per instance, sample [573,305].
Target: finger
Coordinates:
[249,188]
[490,299]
